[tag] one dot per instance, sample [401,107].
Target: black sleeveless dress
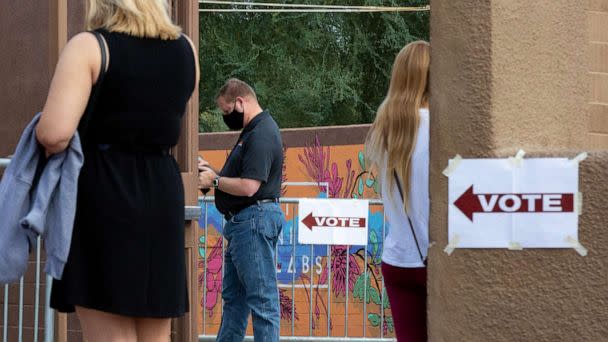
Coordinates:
[127,252]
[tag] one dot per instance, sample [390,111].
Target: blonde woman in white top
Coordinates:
[398,148]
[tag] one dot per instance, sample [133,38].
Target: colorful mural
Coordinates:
[343,283]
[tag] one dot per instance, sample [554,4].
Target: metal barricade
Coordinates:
[191,213]
[21,307]
[18,331]
[289,206]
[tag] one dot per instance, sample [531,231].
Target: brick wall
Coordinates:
[598,73]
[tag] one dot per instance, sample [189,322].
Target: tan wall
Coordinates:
[76,17]
[24,80]
[507,75]
[24,71]
[24,63]
[461,89]
[597,24]
[539,74]
[24,74]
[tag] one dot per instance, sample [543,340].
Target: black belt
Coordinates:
[129,148]
[267,200]
[232,213]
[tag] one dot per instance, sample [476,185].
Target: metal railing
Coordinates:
[193,212]
[49,317]
[4,163]
[291,204]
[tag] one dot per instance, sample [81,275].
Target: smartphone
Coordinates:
[206,190]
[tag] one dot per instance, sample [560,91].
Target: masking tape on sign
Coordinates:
[515,246]
[578,203]
[449,249]
[576,245]
[518,159]
[580,158]
[453,164]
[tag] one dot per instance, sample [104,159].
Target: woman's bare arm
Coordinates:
[76,72]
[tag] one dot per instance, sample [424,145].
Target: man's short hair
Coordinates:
[234,88]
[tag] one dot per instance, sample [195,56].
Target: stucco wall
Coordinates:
[24,71]
[24,81]
[508,75]
[529,295]
[539,73]
[597,24]
[24,67]
[76,17]
[461,90]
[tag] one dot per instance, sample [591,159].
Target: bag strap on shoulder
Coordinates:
[86,118]
[408,218]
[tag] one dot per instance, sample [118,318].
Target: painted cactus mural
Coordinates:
[338,268]
[287,307]
[316,160]
[211,277]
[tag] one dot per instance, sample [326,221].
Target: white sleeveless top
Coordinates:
[399,245]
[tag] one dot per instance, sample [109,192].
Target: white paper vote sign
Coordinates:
[501,203]
[333,221]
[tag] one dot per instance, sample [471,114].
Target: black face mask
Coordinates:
[234,120]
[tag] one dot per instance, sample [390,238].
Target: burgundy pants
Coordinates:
[406,289]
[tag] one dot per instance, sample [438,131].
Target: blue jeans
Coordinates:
[250,278]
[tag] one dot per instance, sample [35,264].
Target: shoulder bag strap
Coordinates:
[86,118]
[408,218]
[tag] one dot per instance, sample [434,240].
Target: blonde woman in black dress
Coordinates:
[125,276]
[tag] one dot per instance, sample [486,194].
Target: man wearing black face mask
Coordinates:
[247,190]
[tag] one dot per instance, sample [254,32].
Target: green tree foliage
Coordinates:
[309,69]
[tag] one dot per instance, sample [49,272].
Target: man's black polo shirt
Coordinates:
[258,154]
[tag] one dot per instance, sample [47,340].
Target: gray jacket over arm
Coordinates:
[36,204]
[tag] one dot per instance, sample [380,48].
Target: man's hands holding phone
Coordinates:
[206,174]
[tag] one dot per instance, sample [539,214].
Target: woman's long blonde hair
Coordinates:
[140,18]
[393,134]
